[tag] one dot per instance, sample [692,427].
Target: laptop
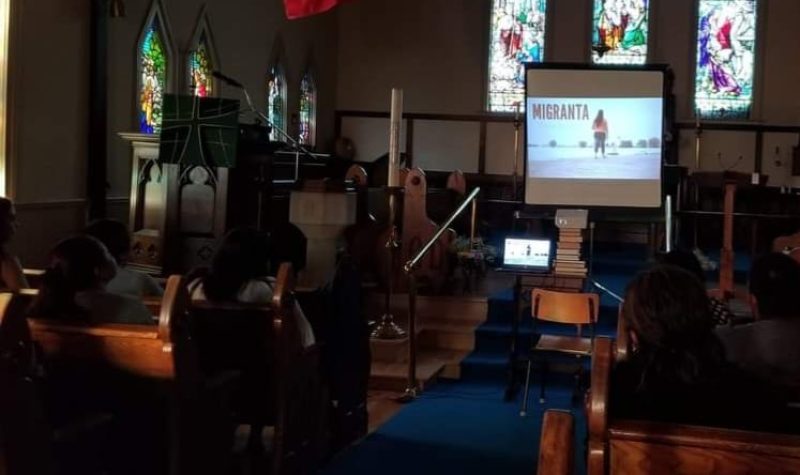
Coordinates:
[526,255]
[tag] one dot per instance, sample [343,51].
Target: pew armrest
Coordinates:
[556,448]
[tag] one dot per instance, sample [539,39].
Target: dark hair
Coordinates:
[775,283]
[76,264]
[114,235]
[7,218]
[685,260]
[242,255]
[598,117]
[668,311]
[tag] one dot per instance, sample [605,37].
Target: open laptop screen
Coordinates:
[527,253]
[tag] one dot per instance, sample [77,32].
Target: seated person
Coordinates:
[10,269]
[770,347]
[73,287]
[689,262]
[677,370]
[238,274]
[114,235]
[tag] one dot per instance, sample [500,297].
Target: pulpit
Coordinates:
[148,204]
[321,210]
[729,182]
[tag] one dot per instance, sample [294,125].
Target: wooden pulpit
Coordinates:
[729,181]
[179,212]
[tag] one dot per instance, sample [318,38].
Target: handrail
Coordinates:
[411,264]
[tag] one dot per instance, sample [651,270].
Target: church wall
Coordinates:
[436,51]
[246,36]
[48,114]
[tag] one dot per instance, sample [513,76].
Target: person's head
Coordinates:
[775,286]
[599,116]
[242,255]
[668,316]
[114,235]
[76,264]
[8,220]
[686,261]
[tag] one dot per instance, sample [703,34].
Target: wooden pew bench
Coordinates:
[620,446]
[278,380]
[160,361]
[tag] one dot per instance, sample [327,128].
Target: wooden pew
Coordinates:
[556,445]
[160,360]
[628,446]
[25,436]
[278,379]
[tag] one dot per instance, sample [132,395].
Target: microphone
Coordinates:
[227,79]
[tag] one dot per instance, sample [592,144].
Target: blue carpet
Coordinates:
[464,427]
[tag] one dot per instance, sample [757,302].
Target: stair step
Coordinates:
[447,334]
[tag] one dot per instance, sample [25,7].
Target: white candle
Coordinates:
[394,137]
[668,223]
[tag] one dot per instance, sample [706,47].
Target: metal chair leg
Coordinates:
[524,411]
[544,380]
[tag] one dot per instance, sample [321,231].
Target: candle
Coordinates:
[668,223]
[394,137]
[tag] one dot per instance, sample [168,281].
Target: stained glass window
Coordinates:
[200,68]
[308,111]
[517,37]
[152,77]
[276,99]
[726,42]
[620,31]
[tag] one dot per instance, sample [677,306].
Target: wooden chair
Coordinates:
[159,360]
[278,382]
[566,308]
[556,445]
[628,446]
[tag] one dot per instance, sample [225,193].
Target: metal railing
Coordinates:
[410,267]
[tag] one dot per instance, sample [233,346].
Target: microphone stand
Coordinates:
[298,148]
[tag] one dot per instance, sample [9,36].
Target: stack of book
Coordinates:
[568,255]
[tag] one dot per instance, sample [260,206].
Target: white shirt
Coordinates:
[260,292]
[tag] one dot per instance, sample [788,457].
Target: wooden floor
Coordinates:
[382,406]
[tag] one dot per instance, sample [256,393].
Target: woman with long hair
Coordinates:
[11,274]
[238,273]
[677,370]
[600,129]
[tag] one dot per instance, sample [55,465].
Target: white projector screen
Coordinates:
[594,137]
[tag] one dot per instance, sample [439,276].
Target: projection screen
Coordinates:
[594,137]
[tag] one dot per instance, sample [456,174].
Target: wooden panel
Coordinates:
[440,145]
[655,459]
[370,136]
[500,149]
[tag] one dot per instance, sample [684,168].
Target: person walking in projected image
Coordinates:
[600,129]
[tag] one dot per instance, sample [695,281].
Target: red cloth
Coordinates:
[304,8]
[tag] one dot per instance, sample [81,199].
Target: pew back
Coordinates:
[134,349]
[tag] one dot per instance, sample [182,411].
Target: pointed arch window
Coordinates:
[276,99]
[153,69]
[308,111]
[202,61]
[517,36]
[620,31]
[726,55]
